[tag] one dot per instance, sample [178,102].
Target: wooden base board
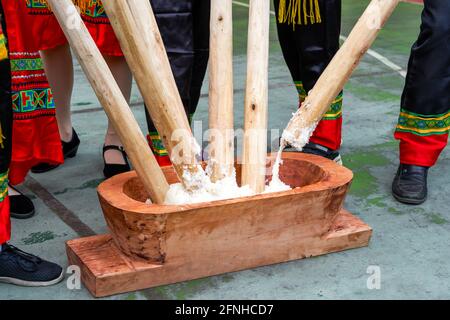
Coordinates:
[106,271]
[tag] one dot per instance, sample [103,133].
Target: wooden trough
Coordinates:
[152,245]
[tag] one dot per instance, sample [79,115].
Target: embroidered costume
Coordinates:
[308,31]
[5,138]
[424,121]
[47,34]
[35,137]
[184,27]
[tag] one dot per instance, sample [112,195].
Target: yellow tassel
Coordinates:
[295,8]
[289,12]
[305,13]
[311,12]
[282,11]
[299,9]
[318,17]
[2,137]
[292,12]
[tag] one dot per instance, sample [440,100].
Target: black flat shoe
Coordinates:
[410,184]
[70,150]
[111,170]
[21,206]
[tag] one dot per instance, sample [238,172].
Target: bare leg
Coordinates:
[122,74]
[59,70]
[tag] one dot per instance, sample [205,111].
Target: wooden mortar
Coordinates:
[150,232]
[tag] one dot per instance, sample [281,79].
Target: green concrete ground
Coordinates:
[409,244]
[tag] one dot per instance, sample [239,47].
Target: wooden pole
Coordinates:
[337,73]
[140,9]
[136,28]
[256,97]
[221,90]
[111,98]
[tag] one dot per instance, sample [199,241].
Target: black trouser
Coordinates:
[184,27]
[424,121]
[427,88]
[309,48]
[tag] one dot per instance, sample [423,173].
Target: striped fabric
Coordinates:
[423,125]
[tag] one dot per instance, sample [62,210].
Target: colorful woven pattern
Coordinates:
[157,145]
[26,64]
[335,110]
[95,9]
[33,100]
[3,185]
[423,125]
[31,95]
[3,51]
[301,90]
[90,8]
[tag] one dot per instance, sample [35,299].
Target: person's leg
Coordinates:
[287,38]
[122,74]
[5,138]
[5,158]
[16,266]
[14,203]
[5,222]
[424,120]
[201,18]
[307,49]
[58,67]
[175,22]
[317,44]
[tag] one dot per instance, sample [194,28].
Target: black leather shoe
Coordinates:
[70,150]
[410,184]
[21,207]
[111,170]
[319,150]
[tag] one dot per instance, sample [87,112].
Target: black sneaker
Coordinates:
[21,207]
[318,150]
[70,150]
[24,269]
[410,184]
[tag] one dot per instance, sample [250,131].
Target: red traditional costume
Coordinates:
[5,138]
[32,27]
[35,130]
[44,29]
